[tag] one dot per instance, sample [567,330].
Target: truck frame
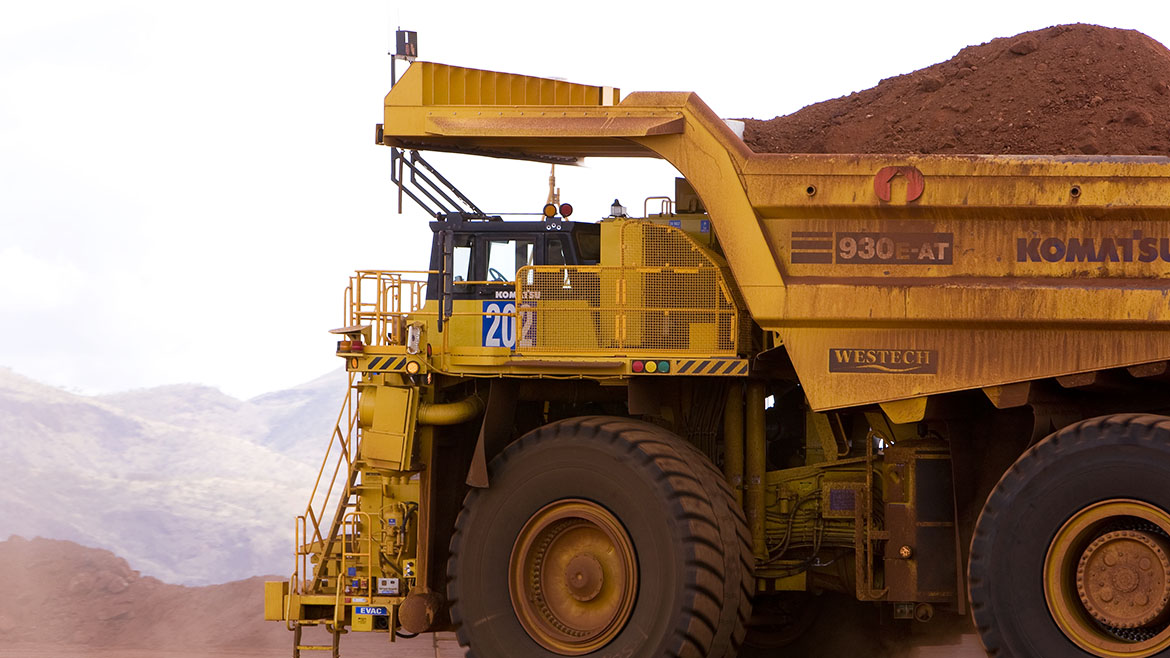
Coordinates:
[937,384]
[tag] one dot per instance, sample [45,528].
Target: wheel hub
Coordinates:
[1122,578]
[584,577]
[1107,579]
[573,577]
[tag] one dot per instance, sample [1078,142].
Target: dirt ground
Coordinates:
[438,645]
[431,646]
[62,600]
[845,627]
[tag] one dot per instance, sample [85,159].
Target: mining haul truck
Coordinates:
[939,385]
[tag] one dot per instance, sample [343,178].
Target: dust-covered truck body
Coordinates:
[929,382]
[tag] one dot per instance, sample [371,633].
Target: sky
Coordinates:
[185,187]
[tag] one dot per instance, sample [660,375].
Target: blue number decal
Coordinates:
[499,330]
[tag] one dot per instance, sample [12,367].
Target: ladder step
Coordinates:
[313,647]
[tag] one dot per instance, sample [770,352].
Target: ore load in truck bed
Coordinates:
[1068,89]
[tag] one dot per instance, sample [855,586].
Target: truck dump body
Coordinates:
[885,277]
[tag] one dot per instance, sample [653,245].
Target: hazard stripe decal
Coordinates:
[715,367]
[387,363]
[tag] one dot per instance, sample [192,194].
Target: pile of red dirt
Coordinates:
[63,593]
[58,598]
[1068,89]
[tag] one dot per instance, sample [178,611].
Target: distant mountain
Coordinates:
[190,485]
[295,422]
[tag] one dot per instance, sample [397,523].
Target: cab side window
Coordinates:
[461,265]
[589,244]
[505,256]
[554,252]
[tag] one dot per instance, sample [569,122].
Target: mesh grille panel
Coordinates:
[667,296]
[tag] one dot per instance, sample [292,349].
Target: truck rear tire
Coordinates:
[605,536]
[1071,554]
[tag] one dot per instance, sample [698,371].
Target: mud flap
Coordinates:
[495,431]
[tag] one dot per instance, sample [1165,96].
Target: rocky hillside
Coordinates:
[188,484]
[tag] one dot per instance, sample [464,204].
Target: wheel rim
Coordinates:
[1107,579]
[573,577]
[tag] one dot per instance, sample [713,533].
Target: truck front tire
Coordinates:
[604,536]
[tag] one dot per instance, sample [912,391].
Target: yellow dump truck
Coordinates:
[933,383]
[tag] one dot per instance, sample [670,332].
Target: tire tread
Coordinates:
[719,571]
[1121,429]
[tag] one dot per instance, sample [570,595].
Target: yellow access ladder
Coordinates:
[340,465]
[298,647]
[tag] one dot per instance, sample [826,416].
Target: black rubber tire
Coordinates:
[1120,456]
[693,545]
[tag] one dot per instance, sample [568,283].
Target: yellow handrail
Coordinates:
[381,299]
[350,536]
[307,530]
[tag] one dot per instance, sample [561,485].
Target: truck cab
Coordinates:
[486,253]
